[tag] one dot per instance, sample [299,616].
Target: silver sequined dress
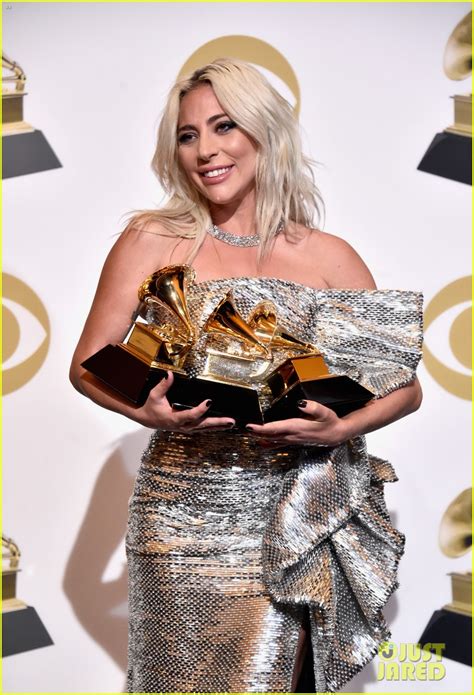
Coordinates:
[229,545]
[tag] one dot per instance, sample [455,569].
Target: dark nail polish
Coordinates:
[165,375]
[249,427]
[302,404]
[208,403]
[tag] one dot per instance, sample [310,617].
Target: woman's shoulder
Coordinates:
[147,238]
[338,262]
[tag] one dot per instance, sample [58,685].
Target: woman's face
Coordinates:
[218,158]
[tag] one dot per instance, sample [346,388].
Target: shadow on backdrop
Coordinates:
[100,604]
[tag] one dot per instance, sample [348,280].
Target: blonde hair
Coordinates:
[284,180]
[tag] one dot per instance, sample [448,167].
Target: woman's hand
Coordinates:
[157,413]
[321,426]
[318,426]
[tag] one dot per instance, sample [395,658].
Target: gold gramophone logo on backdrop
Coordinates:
[457,65]
[451,625]
[16,335]
[25,149]
[455,540]
[453,380]
[22,628]
[250,49]
[13,93]
[449,154]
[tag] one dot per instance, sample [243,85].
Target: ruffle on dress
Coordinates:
[330,545]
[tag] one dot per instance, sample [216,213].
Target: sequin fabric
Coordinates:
[229,544]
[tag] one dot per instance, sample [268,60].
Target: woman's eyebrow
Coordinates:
[209,121]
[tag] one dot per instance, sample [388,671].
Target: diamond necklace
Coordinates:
[237,239]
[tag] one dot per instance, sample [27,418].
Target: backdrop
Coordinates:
[371,92]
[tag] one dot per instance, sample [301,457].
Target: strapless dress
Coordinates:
[231,546]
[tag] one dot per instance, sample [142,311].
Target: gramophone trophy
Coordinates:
[136,365]
[452,624]
[253,370]
[304,376]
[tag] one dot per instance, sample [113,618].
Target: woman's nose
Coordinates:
[207,147]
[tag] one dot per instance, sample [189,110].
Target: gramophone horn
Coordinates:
[169,286]
[226,320]
[457,62]
[263,320]
[455,532]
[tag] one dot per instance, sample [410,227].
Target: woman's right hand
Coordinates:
[157,413]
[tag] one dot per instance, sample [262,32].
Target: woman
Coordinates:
[243,548]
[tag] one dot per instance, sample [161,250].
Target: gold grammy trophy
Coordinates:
[240,374]
[135,366]
[452,624]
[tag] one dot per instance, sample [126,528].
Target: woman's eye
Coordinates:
[225,126]
[185,138]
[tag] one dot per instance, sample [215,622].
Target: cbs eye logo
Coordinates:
[25,326]
[449,318]
[252,50]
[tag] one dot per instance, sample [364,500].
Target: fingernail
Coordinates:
[302,404]
[165,375]
[249,427]
[208,403]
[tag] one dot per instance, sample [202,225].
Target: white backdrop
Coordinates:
[373,95]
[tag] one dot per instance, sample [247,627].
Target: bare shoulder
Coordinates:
[339,263]
[148,243]
[136,254]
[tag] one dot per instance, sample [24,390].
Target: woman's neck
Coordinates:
[238,220]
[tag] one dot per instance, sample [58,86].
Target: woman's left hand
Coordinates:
[318,426]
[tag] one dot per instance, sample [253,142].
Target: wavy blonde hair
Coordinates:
[284,180]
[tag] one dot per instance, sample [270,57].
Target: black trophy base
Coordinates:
[123,372]
[22,631]
[453,630]
[133,379]
[449,156]
[27,153]
[228,400]
[339,393]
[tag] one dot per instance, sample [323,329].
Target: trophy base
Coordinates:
[339,393]
[23,631]
[134,378]
[123,372]
[27,153]
[449,155]
[453,630]
[228,400]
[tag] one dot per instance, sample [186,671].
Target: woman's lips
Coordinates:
[216,178]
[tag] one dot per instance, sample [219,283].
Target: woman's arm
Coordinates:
[135,256]
[341,267]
